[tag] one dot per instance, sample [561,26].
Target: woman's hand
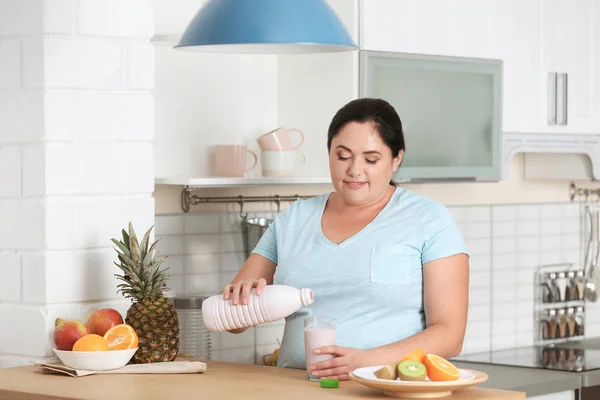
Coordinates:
[242,289]
[346,360]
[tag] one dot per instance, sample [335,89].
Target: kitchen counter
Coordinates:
[221,380]
[537,381]
[532,381]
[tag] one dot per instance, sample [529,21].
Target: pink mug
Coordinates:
[279,140]
[232,160]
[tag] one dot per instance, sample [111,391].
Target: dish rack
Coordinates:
[559,303]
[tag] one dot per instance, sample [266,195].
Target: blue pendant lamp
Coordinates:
[267,27]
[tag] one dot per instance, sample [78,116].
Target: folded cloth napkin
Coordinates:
[172,367]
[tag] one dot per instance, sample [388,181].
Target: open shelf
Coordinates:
[165,40]
[220,182]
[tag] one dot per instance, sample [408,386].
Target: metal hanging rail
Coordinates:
[585,192]
[188,199]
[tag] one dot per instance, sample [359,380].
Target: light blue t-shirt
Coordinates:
[372,283]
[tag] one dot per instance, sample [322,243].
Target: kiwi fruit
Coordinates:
[389,371]
[412,370]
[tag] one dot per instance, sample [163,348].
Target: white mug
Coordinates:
[280,163]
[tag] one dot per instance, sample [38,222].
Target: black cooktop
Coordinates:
[552,357]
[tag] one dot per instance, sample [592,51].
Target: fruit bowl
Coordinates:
[95,360]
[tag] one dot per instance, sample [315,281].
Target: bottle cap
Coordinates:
[330,383]
[306,296]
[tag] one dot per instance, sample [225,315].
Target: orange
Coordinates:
[121,337]
[416,355]
[91,342]
[440,369]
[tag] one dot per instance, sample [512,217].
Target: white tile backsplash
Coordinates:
[480,263]
[551,211]
[504,213]
[528,212]
[506,243]
[479,312]
[478,247]
[197,264]
[202,223]
[231,243]
[479,214]
[202,283]
[527,228]
[504,229]
[209,243]
[169,225]
[479,295]
[232,262]
[480,279]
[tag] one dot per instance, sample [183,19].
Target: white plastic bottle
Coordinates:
[276,302]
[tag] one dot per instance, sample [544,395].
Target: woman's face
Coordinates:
[361,164]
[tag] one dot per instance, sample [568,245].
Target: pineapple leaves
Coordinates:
[150,252]
[134,248]
[140,263]
[125,236]
[145,241]
[121,246]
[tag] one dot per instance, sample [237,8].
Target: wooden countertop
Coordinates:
[220,381]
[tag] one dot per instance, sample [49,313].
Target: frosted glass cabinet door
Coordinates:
[450,110]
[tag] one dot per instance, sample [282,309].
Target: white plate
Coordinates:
[368,374]
[417,389]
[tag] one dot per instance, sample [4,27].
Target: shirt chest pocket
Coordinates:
[394,264]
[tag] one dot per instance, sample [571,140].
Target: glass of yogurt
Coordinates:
[318,332]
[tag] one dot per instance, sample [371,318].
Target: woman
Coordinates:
[388,264]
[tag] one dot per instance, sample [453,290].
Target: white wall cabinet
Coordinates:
[516,38]
[550,51]
[568,51]
[532,37]
[437,27]
[453,102]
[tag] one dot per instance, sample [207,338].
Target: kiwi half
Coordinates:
[412,370]
[389,371]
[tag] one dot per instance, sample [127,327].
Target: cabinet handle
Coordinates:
[563,101]
[552,78]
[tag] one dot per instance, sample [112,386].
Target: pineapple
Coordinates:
[152,315]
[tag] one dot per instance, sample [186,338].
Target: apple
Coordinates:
[67,332]
[100,321]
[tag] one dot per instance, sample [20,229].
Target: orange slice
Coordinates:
[440,369]
[121,337]
[416,355]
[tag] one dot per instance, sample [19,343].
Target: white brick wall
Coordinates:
[76,158]
[11,276]
[10,67]
[10,171]
[21,116]
[135,18]
[95,63]
[23,224]
[22,17]
[59,16]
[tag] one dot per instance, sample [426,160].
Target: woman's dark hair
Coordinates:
[377,111]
